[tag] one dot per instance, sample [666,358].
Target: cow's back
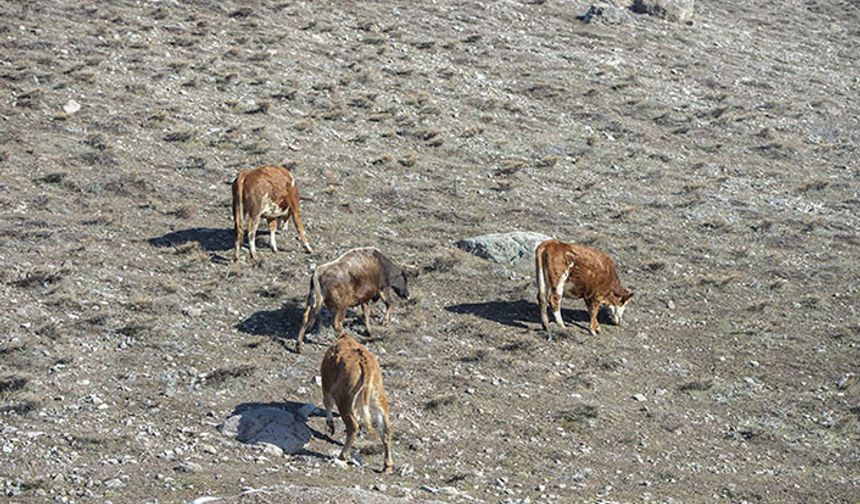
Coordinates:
[592,274]
[340,370]
[352,279]
[273,181]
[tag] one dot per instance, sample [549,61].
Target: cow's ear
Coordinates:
[569,257]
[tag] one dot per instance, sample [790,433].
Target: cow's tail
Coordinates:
[314,291]
[238,214]
[238,196]
[540,275]
[313,304]
[542,280]
[364,396]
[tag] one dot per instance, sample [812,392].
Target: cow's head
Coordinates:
[617,303]
[399,278]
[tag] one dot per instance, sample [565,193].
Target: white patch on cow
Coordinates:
[271,209]
[559,288]
[559,291]
[272,241]
[616,313]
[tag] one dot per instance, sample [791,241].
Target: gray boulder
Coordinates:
[504,248]
[267,425]
[673,10]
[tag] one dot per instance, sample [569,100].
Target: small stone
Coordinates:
[207,448]
[754,363]
[71,107]
[670,304]
[639,397]
[114,483]
[845,381]
[192,312]
[317,380]
[188,467]
[272,450]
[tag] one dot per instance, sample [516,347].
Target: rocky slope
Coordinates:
[716,161]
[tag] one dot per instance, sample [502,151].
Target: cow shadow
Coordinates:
[210,239]
[279,325]
[517,314]
[250,430]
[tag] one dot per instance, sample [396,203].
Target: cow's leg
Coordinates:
[555,304]
[297,219]
[237,248]
[252,236]
[593,309]
[365,307]
[557,296]
[273,227]
[385,296]
[383,426]
[349,420]
[339,315]
[544,319]
[328,401]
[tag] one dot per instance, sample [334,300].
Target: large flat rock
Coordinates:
[269,425]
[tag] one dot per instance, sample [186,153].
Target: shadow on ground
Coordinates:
[515,313]
[280,325]
[210,239]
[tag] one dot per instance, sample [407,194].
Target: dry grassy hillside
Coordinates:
[717,162]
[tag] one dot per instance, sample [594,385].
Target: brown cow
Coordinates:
[578,271]
[351,378]
[269,192]
[358,277]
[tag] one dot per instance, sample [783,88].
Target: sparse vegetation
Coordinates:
[716,161]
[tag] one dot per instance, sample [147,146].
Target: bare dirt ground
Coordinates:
[716,161]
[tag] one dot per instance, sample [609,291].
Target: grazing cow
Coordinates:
[269,192]
[351,378]
[578,271]
[357,277]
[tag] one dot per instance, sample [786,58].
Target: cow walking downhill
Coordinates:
[352,379]
[567,269]
[267,192]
